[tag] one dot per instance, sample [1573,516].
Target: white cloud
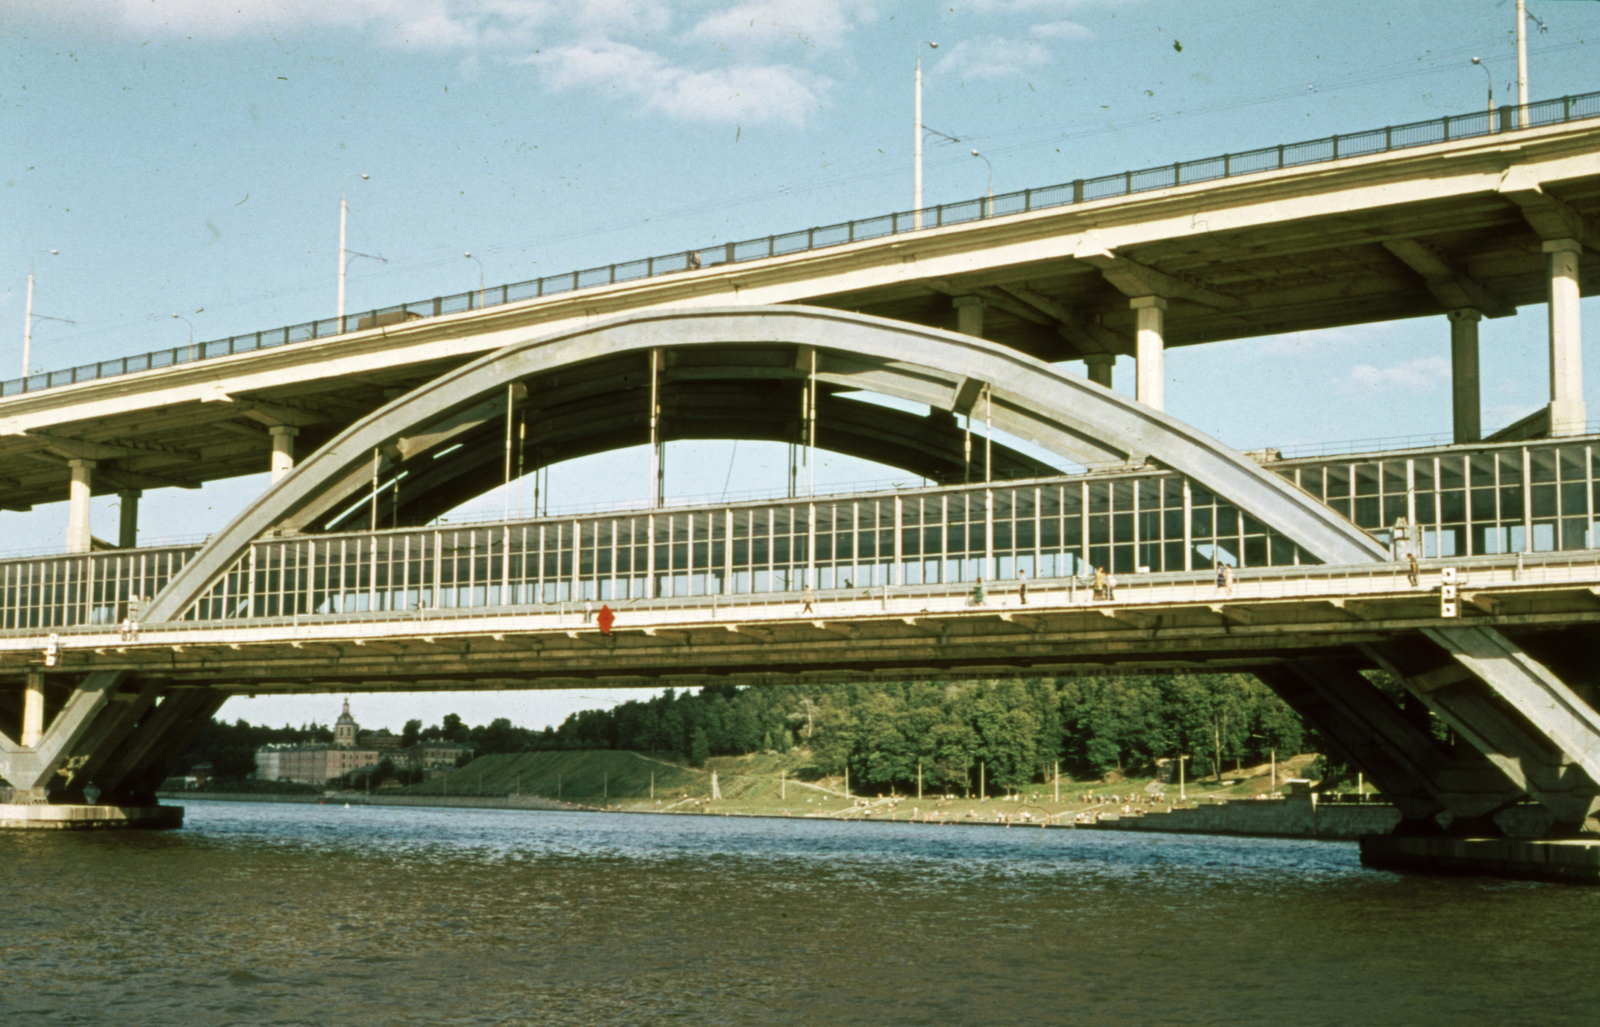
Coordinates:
[764,24]
[993,57]
[1060,30]
[747,94]
[1420,375]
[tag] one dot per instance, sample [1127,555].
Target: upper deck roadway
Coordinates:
[1388,234]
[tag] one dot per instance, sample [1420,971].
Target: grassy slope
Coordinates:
[756,783]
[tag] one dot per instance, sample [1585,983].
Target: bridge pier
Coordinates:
[1436,791]
[79,539]
[98,762]
[1567,413]
[1149,349]
[1465,402]
[128,519]
[1099,366]
[283,437]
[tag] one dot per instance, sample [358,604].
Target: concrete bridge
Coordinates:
[322,584]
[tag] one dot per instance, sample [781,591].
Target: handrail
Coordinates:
[1166,176]
[1043,596]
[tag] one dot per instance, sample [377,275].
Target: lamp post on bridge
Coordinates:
[1490,77]
[470,257]
[344,215]
[988,208]
[180,317]
[28,317]
[916,173]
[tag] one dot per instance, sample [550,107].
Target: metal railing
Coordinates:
[1141,592]
[1165,176]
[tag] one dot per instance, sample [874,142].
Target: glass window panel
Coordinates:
[1573,496]
[1574,465]
[1122,527]
[1511,503]
[1483,505]
[1201,522]
[1172,493]
[1394,508]
[1149,494]
[1394,476]
[1369,513]
[1425,507]
[1255,551]
[1338,482]
[1099,497]
[1544,500]
[1366,479]
[1227,521]
[1481,469]
[1541,465]
[1511,468]
[1422,472]
[1122,495]
[1311,481]
[1574,533]
[1452,472]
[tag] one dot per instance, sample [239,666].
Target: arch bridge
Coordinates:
[328,581]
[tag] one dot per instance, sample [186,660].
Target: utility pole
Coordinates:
[1522,64]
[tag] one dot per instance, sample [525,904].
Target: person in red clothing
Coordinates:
[606,618]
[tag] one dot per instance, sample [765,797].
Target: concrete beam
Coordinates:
[1450,286]
[1567,412]
[1132,279]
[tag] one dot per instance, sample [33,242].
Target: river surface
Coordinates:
[279,914]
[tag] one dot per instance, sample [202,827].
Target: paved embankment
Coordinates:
[1296,816]
[445,801]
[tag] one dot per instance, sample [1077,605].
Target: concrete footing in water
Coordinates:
[44,817]
[1575,861]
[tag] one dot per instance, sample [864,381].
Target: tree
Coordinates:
[699,747]
[411,734]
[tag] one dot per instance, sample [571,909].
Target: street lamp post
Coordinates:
[28,317]
[916,172]
[1490,77]
[1522,64]
[180,317]
[344,214]
[988,208]
[469,256]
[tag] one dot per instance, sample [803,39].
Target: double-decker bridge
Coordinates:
[341,577]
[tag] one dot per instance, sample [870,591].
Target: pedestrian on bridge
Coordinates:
[1099,582]
[606,619]
[1022,589]
[1413,573]
[1227,579]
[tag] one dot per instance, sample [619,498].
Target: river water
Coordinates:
[279,914]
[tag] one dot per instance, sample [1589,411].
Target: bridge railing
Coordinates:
[58,592]
[1141,595]
[1164,176]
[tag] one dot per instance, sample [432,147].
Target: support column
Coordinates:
[282,450]
[1465,404]
[1099,366]
[128,523]
[33,709]
[969,315]
[1149,345]
[78,538]
[1567,415]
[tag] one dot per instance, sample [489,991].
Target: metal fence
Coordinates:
[1165,176]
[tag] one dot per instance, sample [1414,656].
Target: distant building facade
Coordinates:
[319,762]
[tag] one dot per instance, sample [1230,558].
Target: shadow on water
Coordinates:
[383,915]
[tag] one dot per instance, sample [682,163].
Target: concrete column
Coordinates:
[969,315]
[78,539]
[33,708]
[1149,346]
[1567,415]
[282,450]
[128,525]
[1464,402]
[1099,366]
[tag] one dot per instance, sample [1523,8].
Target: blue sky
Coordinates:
[186,156]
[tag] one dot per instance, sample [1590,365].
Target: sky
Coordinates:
[186,157]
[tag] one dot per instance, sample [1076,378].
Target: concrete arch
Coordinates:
[738,406]
[1060,412]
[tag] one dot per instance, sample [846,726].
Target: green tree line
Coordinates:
[1016,730]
